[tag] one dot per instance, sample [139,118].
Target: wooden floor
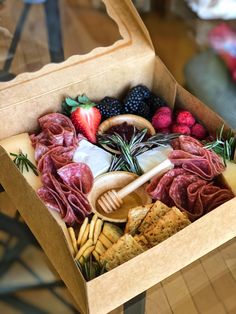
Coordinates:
[208,286]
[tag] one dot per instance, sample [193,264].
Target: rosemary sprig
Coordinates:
[22,162]
[90,269]
[127,160]
[223,146]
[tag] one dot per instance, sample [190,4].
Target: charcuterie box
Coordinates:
[128,62]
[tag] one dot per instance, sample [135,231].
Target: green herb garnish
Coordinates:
[127,160]
[90,268]
[223,145]
[23,163]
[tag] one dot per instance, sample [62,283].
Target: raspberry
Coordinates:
[161,120]
[164,109]
[198,131]
[181,128]
[185,117]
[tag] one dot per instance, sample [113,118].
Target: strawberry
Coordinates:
[84,115]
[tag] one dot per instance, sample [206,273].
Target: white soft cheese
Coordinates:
[153,157]
[95,157]
[22,142]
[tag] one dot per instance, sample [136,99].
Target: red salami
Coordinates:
[178,189]
[193,157]
[55,158]
[159,187]
[189,185]
[72,205]
[77,175]
[65,184]
[57,130]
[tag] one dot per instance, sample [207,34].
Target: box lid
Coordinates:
[135,42]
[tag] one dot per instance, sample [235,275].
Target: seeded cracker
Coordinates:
[121,251]
[172,222]
[135,217]
[157,211]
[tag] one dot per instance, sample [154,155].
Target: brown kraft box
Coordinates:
[128,62]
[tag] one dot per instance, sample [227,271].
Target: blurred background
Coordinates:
[196,39]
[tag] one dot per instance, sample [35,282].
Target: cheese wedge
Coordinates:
[229,176]
[22,142]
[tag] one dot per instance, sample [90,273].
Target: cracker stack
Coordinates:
[146,227]
[121,251]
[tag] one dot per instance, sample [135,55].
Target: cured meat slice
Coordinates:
[78,176]
[58,118]
[158,188]
[50,199]
[53,201]
[61,156]
[55,133]
[190,145]
[188,192]
[65,184]
[55,158]
[178,189]
[213,196]
[193,157]
[72,205]
[40,150]
[57,130]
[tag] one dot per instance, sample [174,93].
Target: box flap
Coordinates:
[136,42]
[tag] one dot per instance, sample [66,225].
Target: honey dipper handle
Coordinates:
[164,166]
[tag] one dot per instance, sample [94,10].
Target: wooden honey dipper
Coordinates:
[112,200]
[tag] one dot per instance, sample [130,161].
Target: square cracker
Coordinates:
[135,217]
[157,211]
[172,222]
[121,251]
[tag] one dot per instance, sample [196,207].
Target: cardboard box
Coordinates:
[103,71]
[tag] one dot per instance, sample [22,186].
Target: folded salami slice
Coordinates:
[193,157]
[53,201]
[55,158]
[65,184]
[78,176]
[188,192]
[178,189]
[72,205]
[57,130]
[159,188]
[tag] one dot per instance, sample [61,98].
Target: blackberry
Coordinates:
[135,101]
[109,107]
[155,102]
